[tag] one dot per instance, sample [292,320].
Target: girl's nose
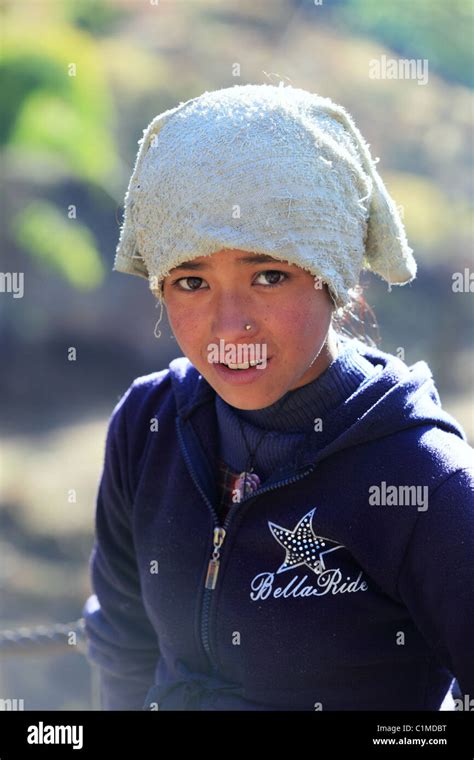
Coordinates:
[231,320]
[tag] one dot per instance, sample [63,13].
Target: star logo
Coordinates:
[303,546]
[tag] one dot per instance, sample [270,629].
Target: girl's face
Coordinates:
[210,299]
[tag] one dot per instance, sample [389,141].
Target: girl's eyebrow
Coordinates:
[260,258]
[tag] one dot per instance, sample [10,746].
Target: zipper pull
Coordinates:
[213,567]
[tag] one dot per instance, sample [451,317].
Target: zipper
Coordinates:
[213,566]
[218,537]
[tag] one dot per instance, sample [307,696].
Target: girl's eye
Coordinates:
[272,275]
[268,273]
[194,281]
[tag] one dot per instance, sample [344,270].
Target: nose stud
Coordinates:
[248,327]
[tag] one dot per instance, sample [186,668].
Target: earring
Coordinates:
[161,316]
[159,331]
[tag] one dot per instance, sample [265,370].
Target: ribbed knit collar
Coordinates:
[289,420]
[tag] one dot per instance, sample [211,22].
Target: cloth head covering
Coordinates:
[267,169]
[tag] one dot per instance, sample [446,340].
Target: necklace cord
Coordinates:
[251,454]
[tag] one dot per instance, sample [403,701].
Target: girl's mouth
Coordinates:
[240,374]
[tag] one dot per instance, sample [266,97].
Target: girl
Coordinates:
[285,518]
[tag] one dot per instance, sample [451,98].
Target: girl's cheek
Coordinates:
[296,322]
[182,321]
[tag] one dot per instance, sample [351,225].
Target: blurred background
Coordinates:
[79,83]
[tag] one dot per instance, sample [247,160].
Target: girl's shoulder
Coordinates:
[157,397]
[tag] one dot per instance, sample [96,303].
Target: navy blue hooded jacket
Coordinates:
[345,582]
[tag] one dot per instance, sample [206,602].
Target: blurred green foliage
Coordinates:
[57,112]
[55,99]
[63,244]
[437,30]
[60,78]
[432,218]
[97,17]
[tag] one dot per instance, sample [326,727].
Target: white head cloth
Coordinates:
[261,168]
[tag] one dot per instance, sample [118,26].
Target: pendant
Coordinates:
[247,483]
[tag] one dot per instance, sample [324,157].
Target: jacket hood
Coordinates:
[396,397]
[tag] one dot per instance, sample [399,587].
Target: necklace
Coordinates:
[248,481]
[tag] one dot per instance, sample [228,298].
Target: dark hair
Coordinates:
[354,319]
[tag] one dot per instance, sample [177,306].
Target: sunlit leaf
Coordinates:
[65,245]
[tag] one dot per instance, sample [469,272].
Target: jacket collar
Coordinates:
[399,397]
[190,388]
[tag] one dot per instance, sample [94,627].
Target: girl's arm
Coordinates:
[436,581]
[121,639]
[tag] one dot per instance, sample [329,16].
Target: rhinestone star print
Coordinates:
[303,546]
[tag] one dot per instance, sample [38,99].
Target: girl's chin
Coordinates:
[248,404]
[248,397]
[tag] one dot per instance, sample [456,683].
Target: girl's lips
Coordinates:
[240,376]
